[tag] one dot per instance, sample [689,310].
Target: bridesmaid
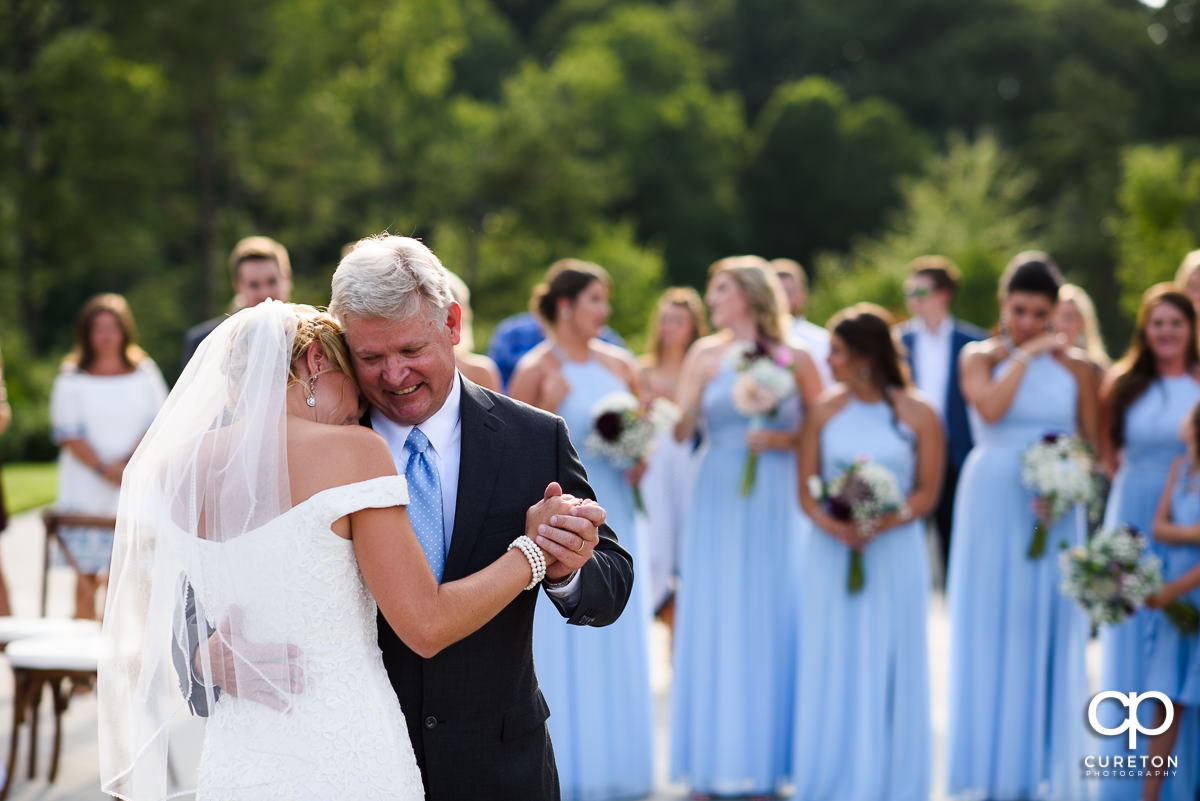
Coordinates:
[1075,318]
[679,320]
[731,707]
[596,680]
[1144,400]
[1018,683]
[863,660]
[1177,527]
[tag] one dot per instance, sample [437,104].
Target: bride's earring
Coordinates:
[311,397]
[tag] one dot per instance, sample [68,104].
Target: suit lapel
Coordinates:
[479,465]
[952,379]
[909,338]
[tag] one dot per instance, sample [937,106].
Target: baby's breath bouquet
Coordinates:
[1111,577]
[862,494]
[1058,468]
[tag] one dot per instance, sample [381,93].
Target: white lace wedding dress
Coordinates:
[344,735]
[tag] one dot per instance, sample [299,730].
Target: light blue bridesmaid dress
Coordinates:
[597,680]
[862,716]
[1018,682]
[1183,665]
[737,609]
[665,487]
[1171,652]
[1151,444]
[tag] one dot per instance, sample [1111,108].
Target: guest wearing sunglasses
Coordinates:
[932,340]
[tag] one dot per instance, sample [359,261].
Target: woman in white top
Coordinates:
[104,399]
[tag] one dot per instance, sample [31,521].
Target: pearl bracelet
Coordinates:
[537,560]
[1020,356]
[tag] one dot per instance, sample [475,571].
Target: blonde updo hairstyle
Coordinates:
[759,285]
[313,326]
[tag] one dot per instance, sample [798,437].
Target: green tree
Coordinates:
[618,134]
[823,169]
[970,206]
[1159,218]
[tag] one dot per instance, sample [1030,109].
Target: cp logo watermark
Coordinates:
[1130,701]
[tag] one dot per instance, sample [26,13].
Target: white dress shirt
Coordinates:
[814,339]
[444,430]
[931,361]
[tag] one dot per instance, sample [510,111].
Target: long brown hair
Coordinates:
[83,356]
[760,287]
[866,330]
[1138,369]
[683,297]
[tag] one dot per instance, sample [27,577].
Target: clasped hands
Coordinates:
[855,537]
[566,528]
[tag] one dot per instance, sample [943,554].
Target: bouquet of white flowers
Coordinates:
[624,429]
[765,380]
[862,494]
[1112,575]
[1058,469]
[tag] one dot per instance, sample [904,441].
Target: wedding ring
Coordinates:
[582,542]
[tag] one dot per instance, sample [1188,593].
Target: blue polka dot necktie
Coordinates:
[425,500]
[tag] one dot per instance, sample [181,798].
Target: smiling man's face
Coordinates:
[405,367]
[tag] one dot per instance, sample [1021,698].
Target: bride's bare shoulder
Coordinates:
[332,455]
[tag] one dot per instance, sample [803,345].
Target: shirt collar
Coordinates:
[439,428]
[941,332]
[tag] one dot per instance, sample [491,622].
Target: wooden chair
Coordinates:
[60,661]
[54,522]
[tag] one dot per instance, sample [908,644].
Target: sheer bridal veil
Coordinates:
[211,469]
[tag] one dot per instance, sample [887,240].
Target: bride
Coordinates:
[256,487]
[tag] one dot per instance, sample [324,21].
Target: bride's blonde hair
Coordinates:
[313,325]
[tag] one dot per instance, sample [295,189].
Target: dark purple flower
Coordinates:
[839,509]
[1051,438]
[609,425]
[761,350]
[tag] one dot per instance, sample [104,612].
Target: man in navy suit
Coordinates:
[932,340]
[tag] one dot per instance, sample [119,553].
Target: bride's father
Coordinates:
[476,462]
[475,714]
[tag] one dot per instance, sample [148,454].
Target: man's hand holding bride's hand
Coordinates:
[262,672]
[570,535]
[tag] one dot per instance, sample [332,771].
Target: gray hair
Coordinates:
[389,277]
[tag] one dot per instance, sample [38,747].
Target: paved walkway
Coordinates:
[78,780]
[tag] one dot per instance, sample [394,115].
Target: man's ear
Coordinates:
[454,322]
